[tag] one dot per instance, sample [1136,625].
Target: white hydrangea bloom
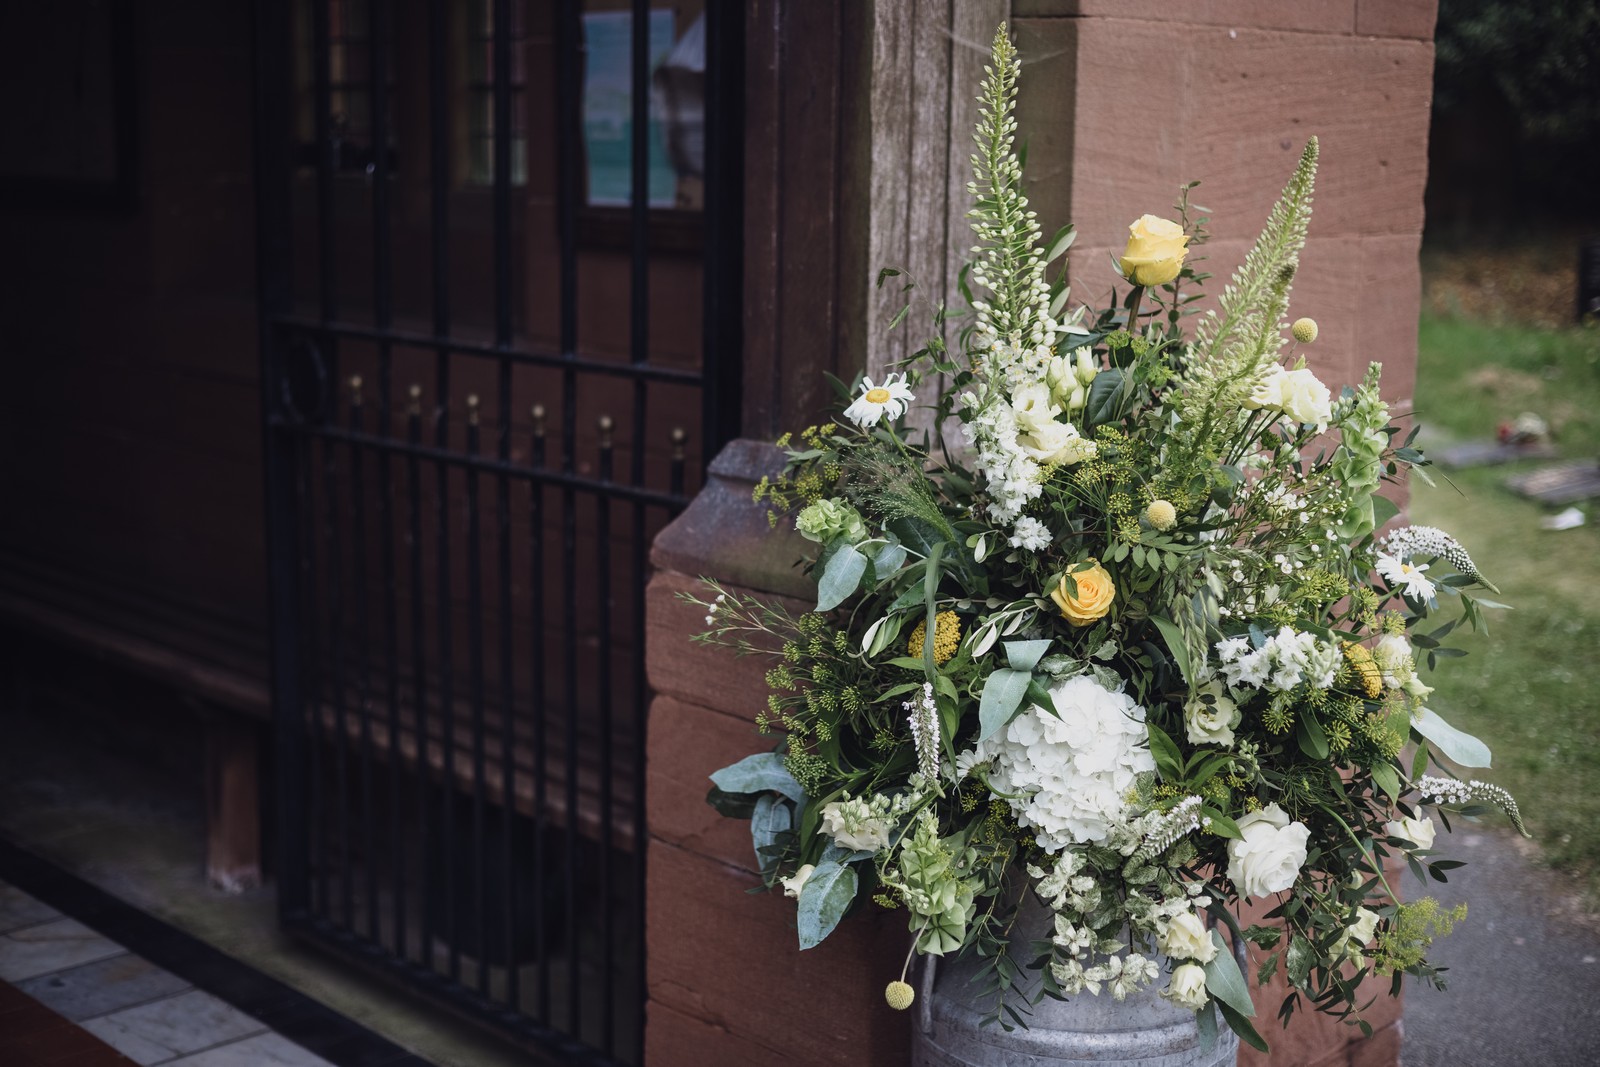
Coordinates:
[1069,766]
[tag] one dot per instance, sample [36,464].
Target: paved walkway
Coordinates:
[149,1015]
[1524,971]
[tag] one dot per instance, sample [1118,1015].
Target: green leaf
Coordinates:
[823,901]
[1003,691]
[1223,980]
[1165,752]
[887,558]
[1313,742]
[1383,509]
[1457,745]
[1206,1021]
[1388,780]
[1241,1026]
[1301,958]
[1108,397]
[761,773]
[1025,655]
[1221,825]
[841,577]
[1178,646]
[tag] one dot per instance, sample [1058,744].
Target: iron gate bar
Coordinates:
[568,43]
[462,347]
[483,464]
[475,645]
[363,702]
[536,594]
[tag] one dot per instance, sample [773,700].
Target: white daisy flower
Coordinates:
[1407,578]
[875,401]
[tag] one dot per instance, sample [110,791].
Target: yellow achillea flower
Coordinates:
[946,637]
[1366,668]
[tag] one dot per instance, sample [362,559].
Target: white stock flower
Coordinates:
[1188,987]
[1186,938]
[856,825]
[1030,535]
[876,401]
[796,882]
[1405,578]
[1419,831]
[1267,856]
[1068,767]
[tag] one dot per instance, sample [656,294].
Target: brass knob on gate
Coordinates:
[537,411]
[355,389]
[605,423]
[415,393]
[679,436]
[472,409]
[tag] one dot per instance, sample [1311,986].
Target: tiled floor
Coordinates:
[149,1015]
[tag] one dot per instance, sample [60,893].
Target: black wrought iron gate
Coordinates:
[461,489]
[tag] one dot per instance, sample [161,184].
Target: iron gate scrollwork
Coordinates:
[461,493]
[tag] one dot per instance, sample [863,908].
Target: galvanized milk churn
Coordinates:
[1144,1030]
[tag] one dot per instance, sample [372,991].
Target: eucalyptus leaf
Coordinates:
[823,901]
[1457,745]
[841,577]
[1025,655]
[763,772]
[888,558]
[772,816]
[1224,981]
[1002,693]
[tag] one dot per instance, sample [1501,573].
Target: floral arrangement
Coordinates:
[1112,625]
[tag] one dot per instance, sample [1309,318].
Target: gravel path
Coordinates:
[1524,967]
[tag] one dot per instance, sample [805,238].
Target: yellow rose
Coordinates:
[1155,251]
[1093,598]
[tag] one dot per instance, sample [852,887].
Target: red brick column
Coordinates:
[727,984]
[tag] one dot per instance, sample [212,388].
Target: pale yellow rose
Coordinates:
[1155,252]
[1188,987]
[1093,598]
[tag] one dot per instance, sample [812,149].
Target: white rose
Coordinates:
[1188,987]
[1394,658]
[1419,832]
[1186,938]
[1305,399]
[851,826]
[1269,853]
[1031,405]
[1268,391]
[1357,934]
[1210,715]
[793,885]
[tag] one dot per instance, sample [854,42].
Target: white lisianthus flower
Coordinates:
[1056,442]
[1406,578]
[891,398]
[856,825]
[1186,938]
[793,884]
[1419,831]
[1210,715]
[1268,855]
[1031,406]
[1188,987]
[1305,399]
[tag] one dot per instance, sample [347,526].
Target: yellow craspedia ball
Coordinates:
[946,637]
[1161,514]
[899,995]
[1368,675]
[1304,330]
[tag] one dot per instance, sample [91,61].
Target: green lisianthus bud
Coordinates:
[829,520]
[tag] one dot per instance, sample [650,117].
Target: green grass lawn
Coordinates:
[1530,688]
